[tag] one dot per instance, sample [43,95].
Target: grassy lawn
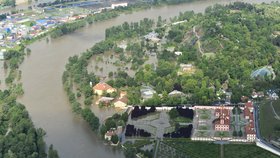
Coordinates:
[169,129]
[182,120]
[139,143]
[149,116]
[246,151]
[221,134]
[203,127]
[266,115]
[204,114]
[192,149]
[276,105]
[202,134]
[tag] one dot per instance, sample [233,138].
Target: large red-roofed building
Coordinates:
[222,123]
[250,127]
[101,88]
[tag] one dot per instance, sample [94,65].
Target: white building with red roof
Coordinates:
[122,101]
[103,87]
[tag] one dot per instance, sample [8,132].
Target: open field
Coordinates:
[268,122]
[180,119]
[276,106]
[246,151]
[182,148]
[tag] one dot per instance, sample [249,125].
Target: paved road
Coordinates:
[156,150]
[222,150]
[258,136]
[276,115]
[237,126]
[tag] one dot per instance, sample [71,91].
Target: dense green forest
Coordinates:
[18,136]
[235,39]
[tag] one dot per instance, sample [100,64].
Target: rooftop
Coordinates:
[102,86]
[223,116]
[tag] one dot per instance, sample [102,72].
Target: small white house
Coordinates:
[108,135]
[116,5]
[274,96]
[2,54]
[178,53]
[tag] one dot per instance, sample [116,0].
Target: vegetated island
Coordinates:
[193,59]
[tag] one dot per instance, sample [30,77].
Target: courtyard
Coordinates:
[204,124]
[156,123]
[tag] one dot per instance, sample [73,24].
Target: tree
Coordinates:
[130,152]
[124,116]
[173,113]
[234,133]
[115,139]
[110,74]
[52,152]
[9,3]
[90,118]
[110,123]
[240,133]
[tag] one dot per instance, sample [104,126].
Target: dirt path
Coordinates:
[156,149]
[8,131]
[222,150]
[198,41]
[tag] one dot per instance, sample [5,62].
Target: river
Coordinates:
[45,98]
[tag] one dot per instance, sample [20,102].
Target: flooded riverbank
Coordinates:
[45,98]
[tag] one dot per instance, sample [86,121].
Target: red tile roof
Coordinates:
[102,86]
[222,111]
[249,104]
[224,117]
[247,112]
[123,99]
[249,128]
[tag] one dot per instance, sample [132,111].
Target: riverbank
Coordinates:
[26,26]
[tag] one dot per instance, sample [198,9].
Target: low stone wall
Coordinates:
[202,139]
[212,107]
[221,139]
